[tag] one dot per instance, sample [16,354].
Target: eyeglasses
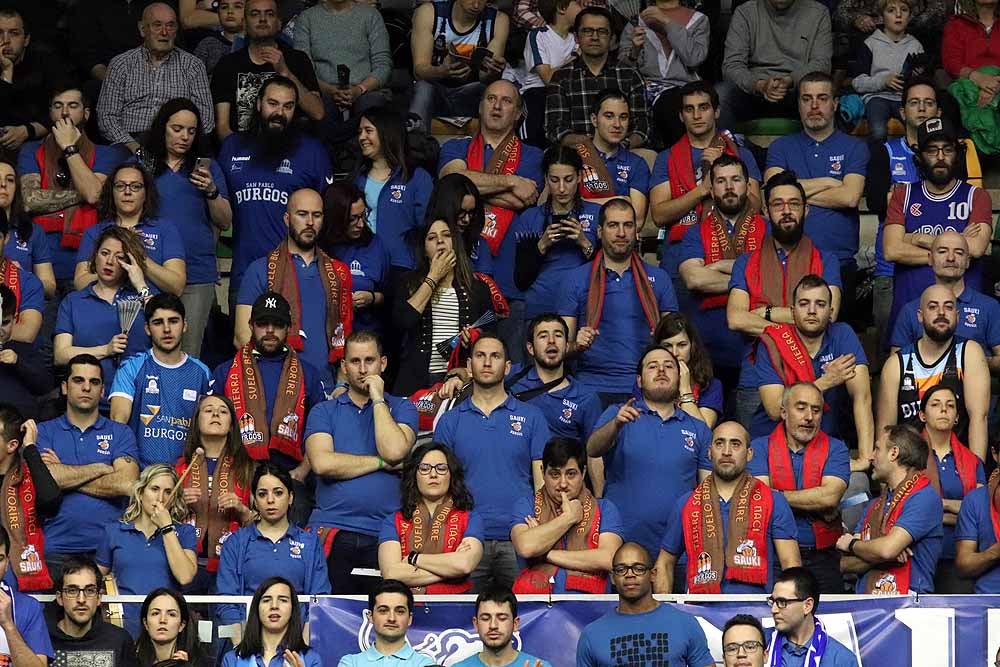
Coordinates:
[750,646]
[466,213]
[934,151]
[638,569]
[122,186]
[781,603]
[590,32]
[74,591]
[781,204]
[361,217]
[440,468]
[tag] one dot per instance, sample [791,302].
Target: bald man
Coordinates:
[938,356]
[141,79]
[317,287]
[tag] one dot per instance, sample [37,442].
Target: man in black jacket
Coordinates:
[24,377]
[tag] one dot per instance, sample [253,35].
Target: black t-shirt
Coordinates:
[236,80]
[105,644]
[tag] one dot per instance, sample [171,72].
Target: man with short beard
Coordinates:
[727,551]
[940,202]
[496,621]
[954,361]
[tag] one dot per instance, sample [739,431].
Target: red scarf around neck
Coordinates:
[764,266]
[505,160]
[966,463]
[788,354]
[878,522]
[718,245]
[438,534]
[20,519]
[680,171]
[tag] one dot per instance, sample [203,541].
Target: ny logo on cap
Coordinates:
[934,125]
[271,302]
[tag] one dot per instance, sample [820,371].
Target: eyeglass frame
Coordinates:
[733,648]
[631,567]
[135,187]
[89,592]
[436,467]
[782,603]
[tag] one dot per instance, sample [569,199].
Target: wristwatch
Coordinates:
[214,194]
[70,151]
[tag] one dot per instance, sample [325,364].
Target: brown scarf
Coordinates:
[598,283]
[212,525]
[439,534]
[596,182]
[20,519]
[764,270]
[880,519]
[505,160]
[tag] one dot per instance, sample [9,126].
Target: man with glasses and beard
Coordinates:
[636,631]
[937,357]
[799,639]
[263,166]
[940,202]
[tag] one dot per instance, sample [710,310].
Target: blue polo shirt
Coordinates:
[369,265]
[978,320]
[529,167]
[609,364]
[248,558]
[404,657]
[82,518]
[259,191]
[497,452]
[28,252]
[951,489]
[644,477]
[401,209]
[839,339]
[642,639]
[628,172]
[921,518]
[160,239]
[570,412]
[838,464]
[976,525]
[163,403]
[780,527]
[106,158]
[29,619]
[185,205]
[358,504]
[836,654]
[519,661]
[140,564]
[834,230]
[310,658]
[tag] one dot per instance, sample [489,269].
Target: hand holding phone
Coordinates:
[201,164]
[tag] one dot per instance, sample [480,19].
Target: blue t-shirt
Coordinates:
[644,478]
[663,637]
[373,189]
[163,403]
[838,340]
[260,191]
[920,517]
[975,524]
[359,504]
[186,206]
[497,452]
[571,412]
[609,364]
[951,489]
[140,565]
[82,518]
[838,464]
[309,657]
[836,654]
[781,527]
[160,239]
[473,528]
[404,657]
[369,265]
[834,230]
[628,172]
[519,661]
[978,320]
[399,210]
[28,252]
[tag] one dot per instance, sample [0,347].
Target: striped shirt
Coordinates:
[573,90]
[135,89]
[527,16]
[444,326]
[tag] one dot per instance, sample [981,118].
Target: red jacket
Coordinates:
[966,44]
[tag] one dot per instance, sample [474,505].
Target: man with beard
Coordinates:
[156,392]
[896,545]
[731,227]
[727,551]
[955,361]
[238,76]
[940,202]
[263,166]
[390,607]
[499,441]
[756,297]
[800,640]
[636,631]
[496,621]
[612,304]
[644,478]
[812,471]
[317,286]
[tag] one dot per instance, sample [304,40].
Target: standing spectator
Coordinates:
[101,31]
[22,622]
[24,377]
[794,602]
[29,250]
[139,81]
[390,607]
[274,629]
[168,632]
[239,76]
[496,621]
[228,38]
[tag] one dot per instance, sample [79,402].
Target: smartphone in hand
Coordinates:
[201,164]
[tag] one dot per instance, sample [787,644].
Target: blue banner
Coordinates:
[882,632]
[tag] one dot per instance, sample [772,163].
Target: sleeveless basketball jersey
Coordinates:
[917,377]
[463,43]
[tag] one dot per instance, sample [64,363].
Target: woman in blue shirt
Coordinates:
[700,393]
[167,632]
[29,250]
[456,200]
[273,636]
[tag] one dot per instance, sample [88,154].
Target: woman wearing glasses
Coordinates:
[435,541]
[457,201]
[30,250]
[129,199]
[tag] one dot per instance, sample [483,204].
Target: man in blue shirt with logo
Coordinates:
[28,292]
[390,607]
[92,459]
[977,547]
[496,621]
[499,441]
[155,392]
[799,637]
[355,443]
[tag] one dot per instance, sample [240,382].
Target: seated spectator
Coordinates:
[228,36]
[27,638]
[194,196]
[969,44]
[699,392]
[528,14]
[29,250]
[29,295]
[566,535]
[390,608]
[771,45]
[667,46]
[102,31]
[435,541]
[457,48]
[861,18]
[24,377]
[743,642]
[138,81]
[80,634]
[456,200]
[348,45]
[238,77]
[168,632]
[163,382]
[89,321]
[573,89]
[896,545]
[131,200]
[882,64]
[794,602]
[199,14]
[274,629]
[348,237]
[496,621]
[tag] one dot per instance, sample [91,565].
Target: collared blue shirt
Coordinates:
[30,251]
[978,320]
[653,462]
[570,412]
[836,655]
[359,504]
[400,211]
[609,364]
[529,167]
[80,523]
[310,658]
[519,661]
[369,266]
[951,489]
[975,524]
[641,639]
[404,657]
[834,230]
[838,464]
[628,171]
[140,563]
[161,240]
[29,619]
[497,452]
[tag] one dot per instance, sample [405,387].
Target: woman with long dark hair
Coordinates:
[456,200]
[167,632]
[31,251]
[435,541]
[195,198]
[274,629]
[700,392]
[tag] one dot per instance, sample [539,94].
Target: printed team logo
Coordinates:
[490,225]
[222,540]
[397,193]
[248,430]
[289,427]
[356,268]
[886,585]
[835,167]
[285,167]
[21,245]
[970,319]
[31,562]
[295,549]
[152,386]
[585,223]
[337,339]
[623,172]
[705,572]
[103,446]
[567,415]
[147,416]
[915,210]
[907,383]
[898,169]
[689,441]
[515,427]
[236,163]
[446,647]
[746,554]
